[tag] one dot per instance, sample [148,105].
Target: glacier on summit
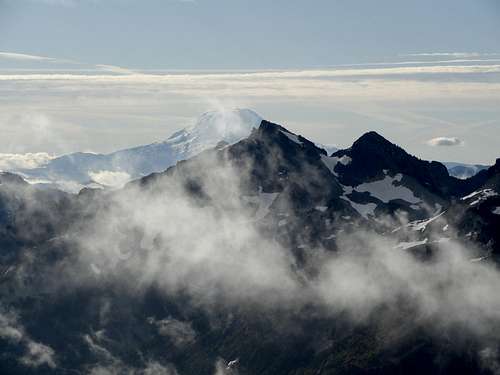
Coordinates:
[74,171]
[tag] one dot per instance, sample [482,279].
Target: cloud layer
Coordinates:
[35,353]
[9,162]
[148,237]
[103,112]
[453,54]
[110,178]
[200,234]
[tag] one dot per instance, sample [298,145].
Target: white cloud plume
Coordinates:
[110,178]
[119,368]
[54,60]
[35,353]
[380,83]
[452,54]
[38,354]
[283,74]
[223,368]
[445,141]
[226,257]
[108,364]
[9,328]
[217,254]
[24,57]
[180,333]
[114,69]
[490,359]
[10,162]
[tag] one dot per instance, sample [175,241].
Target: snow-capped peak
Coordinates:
[225,125]
[229,126]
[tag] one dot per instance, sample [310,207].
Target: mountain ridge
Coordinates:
[251,258]
[82,169]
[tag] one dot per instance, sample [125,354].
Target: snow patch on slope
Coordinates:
[364,209]
[410,244]
[386,191]
[479,196]
[292,137]
[421,225]
[331,162]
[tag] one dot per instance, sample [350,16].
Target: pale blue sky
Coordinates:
[96,75]
[245,34]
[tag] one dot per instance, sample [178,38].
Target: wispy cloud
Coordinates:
[36,353]
[452,54]
[70,3]
[24,57]
[148,105]
[445,141]
[10,162]
[59,2]
[114,69]
[110,178]
[280,74]
[445,60]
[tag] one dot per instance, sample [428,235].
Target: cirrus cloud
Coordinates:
[24,57]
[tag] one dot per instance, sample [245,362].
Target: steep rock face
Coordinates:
[477,214]
[477,219]
[30,216]
[11,179]
[485,179]
[371,154]
[382,178]
[273,162]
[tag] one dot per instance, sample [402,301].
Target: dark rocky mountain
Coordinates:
[372,153]
[477,217]
[263,257]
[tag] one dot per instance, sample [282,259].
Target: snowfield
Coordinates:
[386,191]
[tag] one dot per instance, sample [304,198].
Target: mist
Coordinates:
[196,230]
[204,232]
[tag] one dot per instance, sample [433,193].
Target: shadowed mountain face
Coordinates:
[372,154]
[266,256]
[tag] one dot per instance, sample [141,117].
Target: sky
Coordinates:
[101,75]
